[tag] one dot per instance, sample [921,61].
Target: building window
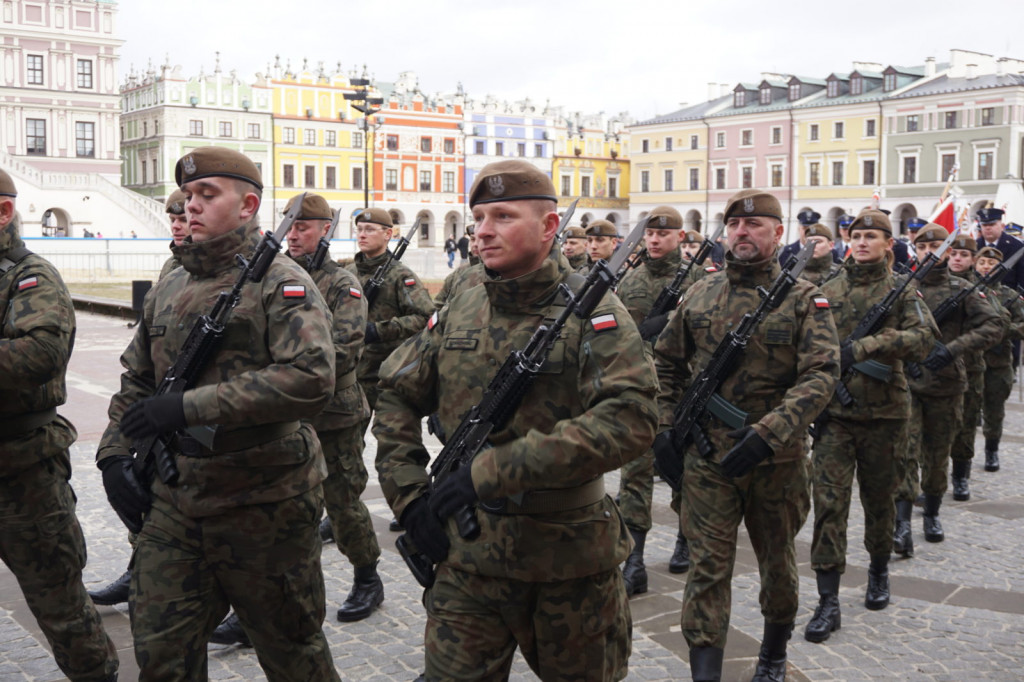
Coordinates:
[391,179]
[777,135]
[538,151]
[357,140]
[833,88]
[426,182]
[814,171]
[357,177]
[35,69]
[330,177]
[694,142]
[499,149]
[794,92]
[988,116]
[156,127]
[448,181]
[521,149]
[645,146]
[259,168]
[949,120]
[948,162]
[856,85]
[746,138]
[868,172]
[838,130]
[224,128]
[720,140]
[694,178]
[889,83]
[156,174]
[837,172]
[288,176]
[909,169]
[288,135]
[84,73]
[253,130]
[719,178]
[912,123]
[392,143]
[85,140]
[426,144]
[645,181]
[330,138]
[145,129]
[747,174]
[35,136]
[870,129]
[479,147]
[613,188]
[739,98]
[813,133]
[668,180]
[449,145]
[567,185]
[195,128]
[585,186]
[985,165]
[776,175]
[766,95]
[310,173]
[668,144]
[142,164]
[309,136]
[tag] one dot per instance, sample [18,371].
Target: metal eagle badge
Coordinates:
[748,205]
[496,184]
[188,164]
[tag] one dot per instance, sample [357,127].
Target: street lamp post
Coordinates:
[366,106]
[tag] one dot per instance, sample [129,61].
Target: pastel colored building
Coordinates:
[591,163]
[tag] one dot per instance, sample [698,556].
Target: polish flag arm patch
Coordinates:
[604,322]
[409,281]
[982,293]
[28,283]
[294,291]
[432,322]
[354,293]
[820,302]
[711,268]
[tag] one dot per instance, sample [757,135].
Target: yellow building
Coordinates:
[591,163]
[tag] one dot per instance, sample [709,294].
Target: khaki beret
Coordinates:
[818,230]
[510,181]
[176,202]
[872,219]
[575,232]
[206,162]
[602,228]
[375,215]
[665,218]
[7,187]
[314,207]
[931,232]
[753,202]
[964,242]
[991,252]
[691,237]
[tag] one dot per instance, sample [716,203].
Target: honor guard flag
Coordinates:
[945,215]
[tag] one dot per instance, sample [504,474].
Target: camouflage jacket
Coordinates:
[640,287]
[789,369]
[400,310]
[820,268]
[37,333]
[344,297]
[590,410]
[974,358]
[580,263]
[973,325]
[907,333]
[170,263]
[273,365]
[1011,308]
[465,277]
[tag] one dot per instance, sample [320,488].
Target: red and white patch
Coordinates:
[432,322]
[603,322]
[982,293]
[711,268]
[919,294]
[820,302]
[28,283]
[409,281]
[354,293]
[294,291]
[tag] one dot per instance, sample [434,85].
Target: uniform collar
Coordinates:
[9,239]
[214,256]
[751,273]
[665,265]
[937,275]
[862,273]
[531,291]
[366,265]
[820,263]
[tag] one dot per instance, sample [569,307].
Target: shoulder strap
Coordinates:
[13,257]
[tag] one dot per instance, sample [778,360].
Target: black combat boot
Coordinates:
[902,539]
[932,525]
[634,573]
[326,531]
[395,526]
[991,454]
[366,595]
[771,662]
[680,561]
[706,663]
[877,597]
[230,631]
[961,472]
[826,618]
[114,593]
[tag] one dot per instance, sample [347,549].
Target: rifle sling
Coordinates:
[14,425]
[550,501]
[231,441]
[347,380]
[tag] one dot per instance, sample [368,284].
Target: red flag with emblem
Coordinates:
[945,215]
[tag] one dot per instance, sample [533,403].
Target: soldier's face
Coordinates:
[753,238]
[660,242]
[922,249]
[179,227]
[304,236]
[573,247]
[689,250]
[985,265]
[821,246]
[991,232]
[514,237]
[869,246]
[216,206]
[372,238]
[960,260]
[600,247]
[472,244]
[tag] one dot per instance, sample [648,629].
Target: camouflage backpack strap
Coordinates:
[12,258]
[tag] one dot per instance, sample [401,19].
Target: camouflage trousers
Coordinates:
[845,448]
[963,440]
[346,481]
[933,422]
[998,386]
[772,502]
[263,559]
[41,543]
[636,491]
[567,630]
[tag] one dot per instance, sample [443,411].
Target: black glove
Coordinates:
[371,335]
[668,461]
[454,493]
[125,492]
[163,413]
[649,329]
[425,529]
[846,356]
[938,358]
[750,451]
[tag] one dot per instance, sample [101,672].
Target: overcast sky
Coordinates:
[641,56]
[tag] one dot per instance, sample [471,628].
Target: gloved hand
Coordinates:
[938,358]
[425,529]
[454,493]
[126,494]
[846,356]
[750,451]
[649,329]
[371,335]
[163,413]
[668,461]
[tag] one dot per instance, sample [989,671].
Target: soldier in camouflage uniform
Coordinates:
[689,243]
[602,238]
[998,378]
[863,438]
[239,528]
[467,275]
[821,267]
[758,474]
[937,393]
[543,574]
[41,540]
[574,248]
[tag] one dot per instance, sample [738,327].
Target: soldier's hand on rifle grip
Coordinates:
[667,460]
[939,357]
[649,329]
[371,335]
[453,493]
[846,356]
[425,529]
[750,451]
[163,413]
[128,497]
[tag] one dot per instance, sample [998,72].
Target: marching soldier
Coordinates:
[239,527]
[179,229]
[689,243]
[41,540]
[821,267]
[574,247]
[468,275]
[602,238]
[863,437]
[543,573]
[758,474]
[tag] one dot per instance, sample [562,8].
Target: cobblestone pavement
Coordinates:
[956,610]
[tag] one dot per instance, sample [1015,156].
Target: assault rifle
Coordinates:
[872,322]
[152,455]
[373,285]
[317,259]
[669,296]
[701,398]
[506,390]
